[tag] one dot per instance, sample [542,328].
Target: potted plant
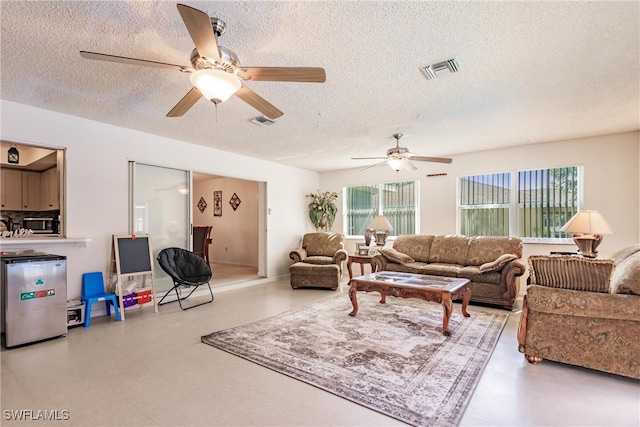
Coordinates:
[322,209]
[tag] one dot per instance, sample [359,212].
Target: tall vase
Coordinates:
[367,237]
[324,222]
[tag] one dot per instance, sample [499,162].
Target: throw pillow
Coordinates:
[395,256]
[626,276]
[498,264]
[624,253]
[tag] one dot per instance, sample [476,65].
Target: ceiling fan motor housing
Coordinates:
[229,60]
[397,152]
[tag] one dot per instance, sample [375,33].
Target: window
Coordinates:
[532,204]
[397,201]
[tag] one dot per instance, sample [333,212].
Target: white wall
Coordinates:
[611,183]
[97,158]
[235,233]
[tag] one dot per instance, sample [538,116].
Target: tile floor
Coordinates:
[152,370]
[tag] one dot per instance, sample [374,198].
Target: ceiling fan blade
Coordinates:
[258,102]
[431,159]
[200,28]
[373,166]
[410,166]
[284,74]
[368,158]
[185,103]
[133,61]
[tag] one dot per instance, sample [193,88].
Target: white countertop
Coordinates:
[28,242]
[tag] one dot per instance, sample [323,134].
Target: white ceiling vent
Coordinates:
[262,121]
[441,69]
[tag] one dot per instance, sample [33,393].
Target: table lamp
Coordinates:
[587,228]
[380,226]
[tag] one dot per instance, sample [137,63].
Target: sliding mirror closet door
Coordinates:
[161,208]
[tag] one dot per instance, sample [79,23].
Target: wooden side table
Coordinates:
[360,259]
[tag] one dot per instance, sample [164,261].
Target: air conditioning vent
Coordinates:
[440,69]
[262,121]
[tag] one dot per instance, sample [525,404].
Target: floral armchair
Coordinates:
[321,249]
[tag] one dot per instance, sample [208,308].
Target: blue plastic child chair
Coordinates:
[93,291]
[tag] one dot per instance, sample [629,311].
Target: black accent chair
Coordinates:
[186,269]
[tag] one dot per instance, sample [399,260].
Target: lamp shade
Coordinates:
[215,84]
[588,222]
[380,223]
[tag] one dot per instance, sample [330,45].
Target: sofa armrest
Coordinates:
[379,262]
[339,256]
[298,255]
[510,272]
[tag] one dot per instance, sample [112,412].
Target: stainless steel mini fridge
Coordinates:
[34,297]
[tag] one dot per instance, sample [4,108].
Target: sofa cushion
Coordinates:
[449,249]
[439,269]
[417,246]
[484,249]
[571,272]
[395,256]
[562,302]
[497,264]
[626,275]
[323,244]
[318,260]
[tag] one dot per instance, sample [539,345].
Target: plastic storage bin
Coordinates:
[128,300]
[143,296]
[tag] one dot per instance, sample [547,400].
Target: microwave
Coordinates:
[41,225]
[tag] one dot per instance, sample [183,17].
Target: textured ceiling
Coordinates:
[530,72]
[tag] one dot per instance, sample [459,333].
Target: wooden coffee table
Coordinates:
[406,285]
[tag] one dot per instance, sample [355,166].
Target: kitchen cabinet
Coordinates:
[30,191]
[11,189]
[49,190]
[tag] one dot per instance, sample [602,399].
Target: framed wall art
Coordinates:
[363,250]
[202,205]
[235,201]
[217,203]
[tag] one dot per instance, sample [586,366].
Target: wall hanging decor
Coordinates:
[217,203]
[235,201]
[322,209]
[202,205]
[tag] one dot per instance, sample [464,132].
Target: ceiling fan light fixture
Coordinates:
[397,164]
[215,84]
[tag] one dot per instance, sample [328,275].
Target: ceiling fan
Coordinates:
[400,157]
[216,73]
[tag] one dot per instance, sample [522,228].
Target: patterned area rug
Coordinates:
[391,358]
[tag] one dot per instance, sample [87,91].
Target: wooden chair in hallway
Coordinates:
[201,241]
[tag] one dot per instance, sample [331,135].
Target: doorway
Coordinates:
[232,207]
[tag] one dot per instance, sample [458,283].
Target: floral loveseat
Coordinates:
[584,312]
[492,264]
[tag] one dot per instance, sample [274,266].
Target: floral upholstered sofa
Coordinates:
[584,312]
[492,264]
